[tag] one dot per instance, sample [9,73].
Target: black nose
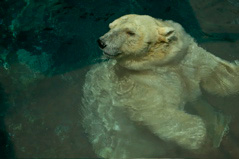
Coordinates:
[101,44]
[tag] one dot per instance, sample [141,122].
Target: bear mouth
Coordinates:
[111,55]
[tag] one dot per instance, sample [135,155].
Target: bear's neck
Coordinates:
[155,59]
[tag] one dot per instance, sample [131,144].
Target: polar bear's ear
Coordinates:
[165,33]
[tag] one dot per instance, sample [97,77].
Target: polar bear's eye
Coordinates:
[130,33]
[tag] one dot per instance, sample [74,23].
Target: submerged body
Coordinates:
[154,70]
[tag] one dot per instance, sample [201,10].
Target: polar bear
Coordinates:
[135,101]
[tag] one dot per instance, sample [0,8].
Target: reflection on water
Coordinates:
[234,2]
[46,48]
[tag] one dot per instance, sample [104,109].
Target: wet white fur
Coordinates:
[124,96]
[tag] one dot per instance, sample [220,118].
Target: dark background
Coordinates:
[47,46]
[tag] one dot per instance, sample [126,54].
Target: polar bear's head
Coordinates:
[141,37]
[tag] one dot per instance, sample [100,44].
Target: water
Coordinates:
[47,47]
